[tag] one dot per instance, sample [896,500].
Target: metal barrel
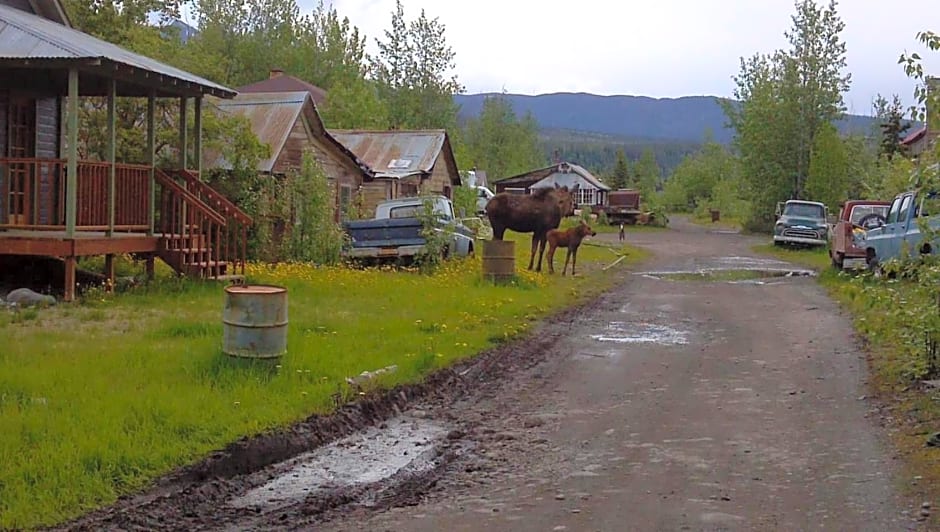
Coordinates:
[499,260]
[254,321]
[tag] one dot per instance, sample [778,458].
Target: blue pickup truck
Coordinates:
[396,231]
[902,229]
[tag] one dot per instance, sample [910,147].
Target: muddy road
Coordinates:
[678,401]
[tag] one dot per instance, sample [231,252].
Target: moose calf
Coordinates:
[569,238]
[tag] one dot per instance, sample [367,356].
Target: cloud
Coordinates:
[665,48]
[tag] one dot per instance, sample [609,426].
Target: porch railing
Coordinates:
[32,195]
[234,240]
[199,239]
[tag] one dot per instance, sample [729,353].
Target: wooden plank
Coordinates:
[70,278]
[184,141]
[103,246]
[112,140]
[35,247]
[71,186]
[151,157]
[198,137]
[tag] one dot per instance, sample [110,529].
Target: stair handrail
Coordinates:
[164,180]
[216,196]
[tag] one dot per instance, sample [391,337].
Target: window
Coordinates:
[585,196]
[804,210]
[905,208]
[345,200]
[861,211]
[893,213]
[929,205]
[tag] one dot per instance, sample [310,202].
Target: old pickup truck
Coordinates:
[902,229]
[801,223]
[396,231]
[855,218]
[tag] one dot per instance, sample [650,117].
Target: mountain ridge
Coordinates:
[683,118]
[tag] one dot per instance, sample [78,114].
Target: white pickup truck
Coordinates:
[396,230]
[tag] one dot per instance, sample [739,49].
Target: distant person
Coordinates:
[622,236]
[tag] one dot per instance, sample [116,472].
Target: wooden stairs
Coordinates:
[202,234]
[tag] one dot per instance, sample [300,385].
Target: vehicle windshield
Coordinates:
[861,211]
[412,211]
[804,210]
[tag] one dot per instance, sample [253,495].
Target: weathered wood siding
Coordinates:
[372,193]
[334,165]
[47,147]
[440,180]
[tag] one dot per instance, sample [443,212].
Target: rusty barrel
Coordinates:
[499,260]
[716,215]
[254,321]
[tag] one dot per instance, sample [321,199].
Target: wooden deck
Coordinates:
[82,243]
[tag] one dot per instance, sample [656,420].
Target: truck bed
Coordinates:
[385,232]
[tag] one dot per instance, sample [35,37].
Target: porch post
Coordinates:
[71,170]
[184,141]
[151,159]
[197,152]
[112,140]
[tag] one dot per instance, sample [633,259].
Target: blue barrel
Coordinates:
[254,321]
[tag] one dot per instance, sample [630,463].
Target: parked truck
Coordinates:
[623,206]
[902,229]
[801,223]
[855,218]
[396,231]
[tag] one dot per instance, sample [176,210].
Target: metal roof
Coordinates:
[285,83]
[25,37]
[395,153]
[272,116]
[561,168]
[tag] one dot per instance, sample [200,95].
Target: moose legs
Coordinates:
[573,255]
[538,241]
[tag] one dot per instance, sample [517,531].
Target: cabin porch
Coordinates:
[64,196]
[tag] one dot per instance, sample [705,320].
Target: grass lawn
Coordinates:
[98,399]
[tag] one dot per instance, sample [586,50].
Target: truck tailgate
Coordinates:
[385,232]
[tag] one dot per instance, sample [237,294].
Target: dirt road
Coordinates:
[671,403]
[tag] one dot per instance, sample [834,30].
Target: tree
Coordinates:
[621,174]
[499,142]
[413,73]
[647,174]
[828,169]
[785,99]
[890,118]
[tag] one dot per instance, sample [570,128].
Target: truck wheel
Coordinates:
[871,259]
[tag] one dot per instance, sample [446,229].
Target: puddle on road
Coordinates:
[359,460]
[728,275]
[641,333]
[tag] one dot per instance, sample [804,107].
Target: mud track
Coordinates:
[689,397]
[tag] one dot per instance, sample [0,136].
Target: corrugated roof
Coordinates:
[563,167]
[286,83]
[395,153]
[272,116]
[915,135]
[24,36]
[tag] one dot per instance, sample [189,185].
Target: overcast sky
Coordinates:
[658,48]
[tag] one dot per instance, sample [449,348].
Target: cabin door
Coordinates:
[21,144]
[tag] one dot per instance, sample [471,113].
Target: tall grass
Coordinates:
[98,399]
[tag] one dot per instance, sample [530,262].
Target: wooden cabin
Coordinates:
[591,190]
[53,204]
[404,163]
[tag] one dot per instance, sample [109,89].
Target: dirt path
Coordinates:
[667,404]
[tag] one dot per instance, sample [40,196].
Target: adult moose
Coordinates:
[536,213]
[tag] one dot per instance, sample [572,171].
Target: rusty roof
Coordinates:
[28,39]
[272,116]
[286,83]
[395,153]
